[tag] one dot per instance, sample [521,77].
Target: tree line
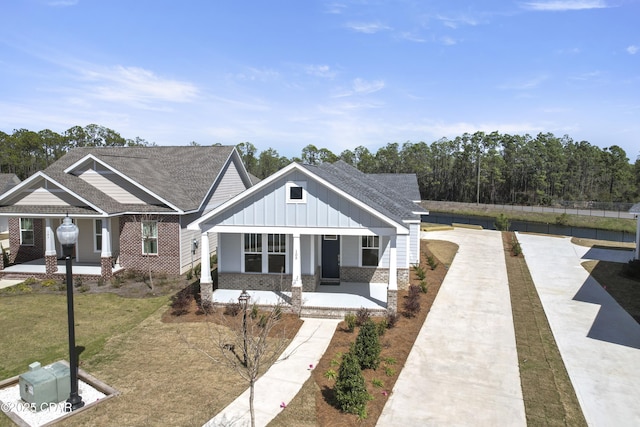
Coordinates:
[478,167]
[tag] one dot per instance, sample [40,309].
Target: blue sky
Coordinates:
[336,74]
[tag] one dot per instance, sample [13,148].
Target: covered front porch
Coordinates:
[38,268]
[333,300]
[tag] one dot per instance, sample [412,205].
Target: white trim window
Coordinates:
[370,251]
[296,192]
[97,235]
[149,237]
[265,258]
[27,233]
[277,252]
[253,253]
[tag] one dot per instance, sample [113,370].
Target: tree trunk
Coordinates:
[251,410]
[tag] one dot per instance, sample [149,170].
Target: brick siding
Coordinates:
[168,258]
[373,275]
[24,253]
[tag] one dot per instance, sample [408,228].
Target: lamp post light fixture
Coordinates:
[67,234]
[243,299]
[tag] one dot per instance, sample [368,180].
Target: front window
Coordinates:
[277,248]
[97,234]
[253,253]
[150,237]
[26,231]
[370,251]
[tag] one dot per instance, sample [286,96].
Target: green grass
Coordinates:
[613,224]
[34,326]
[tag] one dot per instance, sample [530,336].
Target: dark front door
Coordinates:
[331,257]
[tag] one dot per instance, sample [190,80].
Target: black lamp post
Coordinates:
[243,299]
[68,235]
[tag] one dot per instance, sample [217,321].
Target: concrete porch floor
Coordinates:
[343,295]
[38,267]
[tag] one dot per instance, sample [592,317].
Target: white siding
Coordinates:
[116,187]
[42,197]
[323,208]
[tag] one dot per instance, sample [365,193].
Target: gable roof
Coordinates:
[370,189]
[178,177]
[364,189]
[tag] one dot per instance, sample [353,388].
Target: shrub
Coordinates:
[49,283]
[207,307]
[232,308]
[502,222]
[350,320]
[516,250]
[382,326]
[350,389]
[100,281]
[116,282]
[412,301]
[432,262]
[420,273]
[181,301]
[330,374]
[392,319]
[5,256]
[377,383]
[190,274]
[424,287]
[83,288]
[362,316]
[367,346]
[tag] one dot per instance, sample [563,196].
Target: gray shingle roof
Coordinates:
[402,183]
[368,189]
[180,175]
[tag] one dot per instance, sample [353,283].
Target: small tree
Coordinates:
[502,222]
[250,338]
[367,346]
[351,390]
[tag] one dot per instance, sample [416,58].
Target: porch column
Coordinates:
[206,282]
[106,270]
[296,273]
[392,288]
[50,256]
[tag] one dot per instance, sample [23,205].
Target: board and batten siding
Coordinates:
[323,208]
[228,186]
[116,187]
[186,243]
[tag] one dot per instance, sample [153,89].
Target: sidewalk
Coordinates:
[284,379]
[463,368]
[598,340]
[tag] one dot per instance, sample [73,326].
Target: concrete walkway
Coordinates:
[284,379]
[599,342]
[6,283]
[463,368]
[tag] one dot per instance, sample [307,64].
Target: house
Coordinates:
[635,210]
[7,180]
[132,206]
[310,225]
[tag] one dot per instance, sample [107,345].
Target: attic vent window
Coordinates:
[296,192]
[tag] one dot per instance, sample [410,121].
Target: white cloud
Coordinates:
[335,8]
[63,3]
[320,71]
[563,5]
[457,21]
[361,86]
[524,84]
[632,50]
[367,27]
[136,85]
[448,41]
[412,37]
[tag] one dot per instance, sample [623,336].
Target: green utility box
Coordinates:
[41,385]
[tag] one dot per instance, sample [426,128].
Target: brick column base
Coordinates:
[296,299]
[51,264]
[1,258]
[106,272]
[206,292]
[392,301]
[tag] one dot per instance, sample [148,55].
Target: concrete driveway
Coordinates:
[599,342]
[463,368]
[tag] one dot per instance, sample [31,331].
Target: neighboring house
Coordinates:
[132,206]
[7,181]
[635,210]
[306,225]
